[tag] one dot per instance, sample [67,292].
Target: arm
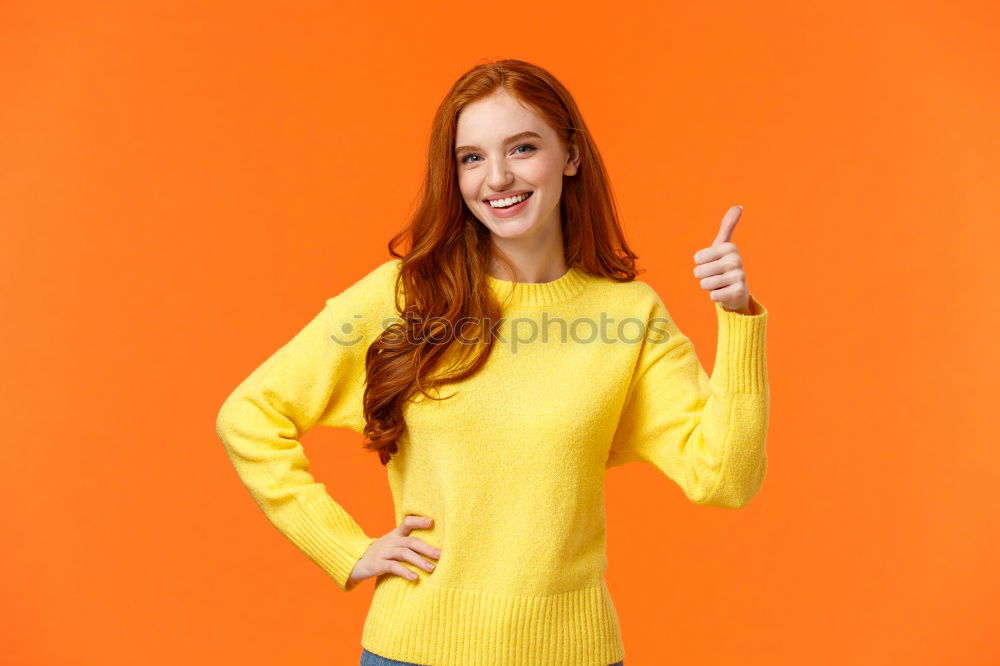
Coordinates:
[311,379]
[706,434]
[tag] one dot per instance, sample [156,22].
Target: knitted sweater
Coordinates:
[588,373]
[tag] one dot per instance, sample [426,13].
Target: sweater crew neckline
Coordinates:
[561,289]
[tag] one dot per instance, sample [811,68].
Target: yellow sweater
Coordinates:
[511,468]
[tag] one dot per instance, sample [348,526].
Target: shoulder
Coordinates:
[636,296]
[373,292]
[375,281]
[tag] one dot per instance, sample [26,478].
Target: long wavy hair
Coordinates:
[443,273]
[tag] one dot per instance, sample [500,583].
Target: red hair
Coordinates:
[443,274]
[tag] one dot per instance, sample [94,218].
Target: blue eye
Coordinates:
[523,145]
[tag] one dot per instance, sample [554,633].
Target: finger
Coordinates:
[400,570]
[729,261]
[733,292]
[421,546]
[412,522]
[717,251]
[413,558]
[721,281]
[729,221]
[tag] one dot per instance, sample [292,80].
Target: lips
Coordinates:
[509,211]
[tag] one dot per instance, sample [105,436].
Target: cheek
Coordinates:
[469,185]
[546,172]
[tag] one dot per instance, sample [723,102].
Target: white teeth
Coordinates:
[509,201]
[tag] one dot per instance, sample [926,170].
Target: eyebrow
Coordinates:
[510,139]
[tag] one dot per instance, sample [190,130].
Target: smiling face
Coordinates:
[503,149]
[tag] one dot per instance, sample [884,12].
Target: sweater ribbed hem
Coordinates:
[741,354]
[423,623]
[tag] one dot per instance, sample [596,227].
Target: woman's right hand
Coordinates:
[381,557]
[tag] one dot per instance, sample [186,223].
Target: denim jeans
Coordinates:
[372,659]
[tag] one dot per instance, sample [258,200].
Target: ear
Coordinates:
[573,162]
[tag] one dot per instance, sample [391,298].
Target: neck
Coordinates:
[533,260]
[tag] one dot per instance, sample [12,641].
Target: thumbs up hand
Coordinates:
[721,268]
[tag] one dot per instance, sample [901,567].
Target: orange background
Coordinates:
[183,187]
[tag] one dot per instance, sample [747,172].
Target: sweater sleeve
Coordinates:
[706,434]
[315,378]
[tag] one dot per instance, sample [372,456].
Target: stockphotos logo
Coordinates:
[522,331]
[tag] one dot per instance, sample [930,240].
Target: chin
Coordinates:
[512,228]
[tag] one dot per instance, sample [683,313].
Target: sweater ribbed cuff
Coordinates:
[335,545]
[741,354]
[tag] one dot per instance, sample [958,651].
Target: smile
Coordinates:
[509,202]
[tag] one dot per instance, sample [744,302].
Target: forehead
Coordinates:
[492,118]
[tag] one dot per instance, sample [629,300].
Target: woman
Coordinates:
[499,367]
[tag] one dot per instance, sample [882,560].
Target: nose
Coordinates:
[499,176]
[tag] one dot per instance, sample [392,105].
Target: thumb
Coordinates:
[729,221]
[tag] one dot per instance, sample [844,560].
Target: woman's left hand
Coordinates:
[720,267]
